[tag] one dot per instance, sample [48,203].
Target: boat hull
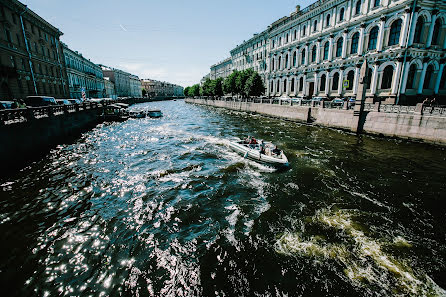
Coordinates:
[255,155]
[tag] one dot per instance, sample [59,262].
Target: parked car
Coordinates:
[337,102]
[63,102]
[36,101]
[75,101]
[319,99]
[6,104]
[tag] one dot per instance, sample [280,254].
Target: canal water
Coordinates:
[162,207]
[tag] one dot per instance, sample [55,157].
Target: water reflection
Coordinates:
[162,207]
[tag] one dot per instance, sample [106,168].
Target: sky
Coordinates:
[169,40]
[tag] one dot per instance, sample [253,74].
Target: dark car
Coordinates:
[7,105]
[36,101]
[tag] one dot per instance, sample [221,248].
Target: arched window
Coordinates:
[313,54]
[350,78]
[339,45]
[377,3]
[274,43]
[355,42]
[428,78]
[301,84]
[286,61]
[358,7]
[418,30]
[302,61]
[368,82]
[323,82]
[292,85]
[278,86]
[315,26]
[335,81]
[287,36]
[395,30]
[326,49]
[436,33]
[280,63]
[280,41]
[341,14]
[327,20]
[373,37]
[271,89]
[386,82]
[295,34]
[411,77]
[284,86]
[272,64]
[304,29]
[294,59]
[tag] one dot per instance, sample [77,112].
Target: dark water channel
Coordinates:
[162,207]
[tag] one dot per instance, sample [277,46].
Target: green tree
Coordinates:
[254,85]
[229,86]
[218,87]
[186,91]
[208,88]
[194,90]
[241,80]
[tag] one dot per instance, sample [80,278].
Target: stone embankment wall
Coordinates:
[415,123]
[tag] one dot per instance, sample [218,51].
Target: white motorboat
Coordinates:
[137,114]
[154,113]
[253,152]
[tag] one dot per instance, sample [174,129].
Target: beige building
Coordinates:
[155,88]
[31,60]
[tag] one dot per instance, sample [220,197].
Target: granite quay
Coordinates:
[422,123]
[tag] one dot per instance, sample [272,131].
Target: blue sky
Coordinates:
[170,40]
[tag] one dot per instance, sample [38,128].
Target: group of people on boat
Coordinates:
[252,142]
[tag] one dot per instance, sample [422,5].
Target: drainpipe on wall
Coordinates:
[405,52]
[27,49]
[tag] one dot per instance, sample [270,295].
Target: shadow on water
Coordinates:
[164,208]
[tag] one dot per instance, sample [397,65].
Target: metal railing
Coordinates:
[388,108]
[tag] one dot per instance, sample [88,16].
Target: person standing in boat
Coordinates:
[277,151]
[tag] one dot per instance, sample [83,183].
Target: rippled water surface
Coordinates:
[162,207]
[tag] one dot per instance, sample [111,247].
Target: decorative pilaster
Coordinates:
[440,73]
[361,39]
[379,46]
[396,79]
[330,48]
[356,80]
[405,27]
[318,51]
[431,29]
[422,76]
[374,83]
[344,44]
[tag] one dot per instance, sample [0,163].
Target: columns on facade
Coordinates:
[307,54]
[431,28]
[341,80]
[356,80]
[344,44]
[396,76]
[422,76]
[348,10]
[330,48]
[361,39]
[439,75]
[404,80]
[379,46]
[374,83]
[327,84]
[412,26]
[318,51]
[405,26]
[304,87]
[315,84]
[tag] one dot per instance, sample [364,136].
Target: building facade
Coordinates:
[135,86]
[84,76]
[319,50]
[155,88]
[222,69]
[109,89]
[119,78]
[31,60]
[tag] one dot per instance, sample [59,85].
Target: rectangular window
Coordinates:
[18,40]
